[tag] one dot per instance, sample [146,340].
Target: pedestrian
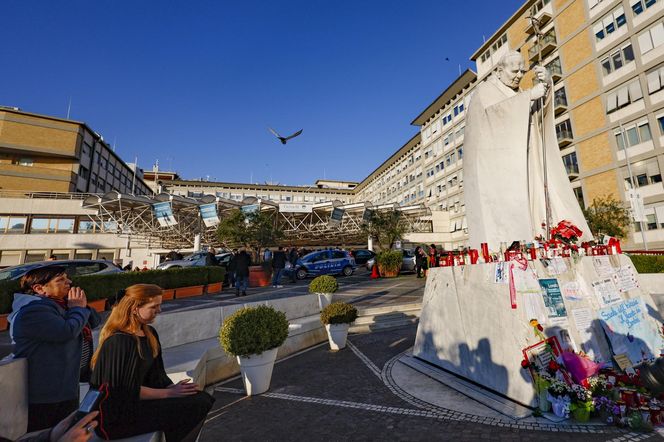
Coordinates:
[138,395]
[278,265]
[424,262]
[292,258]
[52,257]
[267,255]
[51,325]
[210,259]
[242,263]
[230,268]
[433,256]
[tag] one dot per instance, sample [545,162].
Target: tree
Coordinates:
[607,216]
[385,227]
[253,230]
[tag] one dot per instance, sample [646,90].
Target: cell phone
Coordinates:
[89,403]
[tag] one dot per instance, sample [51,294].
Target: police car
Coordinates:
[325,262]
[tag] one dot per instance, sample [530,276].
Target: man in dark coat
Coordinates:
[230,268]
[210,259]
[242,263]
[292,258]
[278,265]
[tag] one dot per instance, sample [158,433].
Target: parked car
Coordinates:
[326,262]
[194,260]
[75,267]
[362,256]
[407,265]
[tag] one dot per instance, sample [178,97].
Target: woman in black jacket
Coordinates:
[129,370]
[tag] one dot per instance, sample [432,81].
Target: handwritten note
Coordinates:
[631,331]
[500,273]
[572,291]
[625,280]
[606,292]
[556,266]
[583,318]
[602,265]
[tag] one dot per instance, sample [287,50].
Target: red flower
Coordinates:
[553,365]
[525,363]
[540,328]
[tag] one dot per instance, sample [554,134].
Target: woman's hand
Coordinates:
[83,430]
[183,388]
[77,298]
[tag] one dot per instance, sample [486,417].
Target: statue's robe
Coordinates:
[503,171]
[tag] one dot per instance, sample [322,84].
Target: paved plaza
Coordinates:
[352,395]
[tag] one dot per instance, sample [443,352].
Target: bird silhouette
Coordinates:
[284,139]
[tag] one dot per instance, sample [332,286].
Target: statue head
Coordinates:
[511,68]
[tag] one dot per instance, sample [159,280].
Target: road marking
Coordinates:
[374,369]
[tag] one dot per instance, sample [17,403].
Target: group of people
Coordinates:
[51,325]
[425,259]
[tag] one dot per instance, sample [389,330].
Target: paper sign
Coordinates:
[553,299]
[556,266]
[535,308]
[625,280]
[602,265]
[583,319]
[631,331]
[525,281]
[606,292]
[500,273]
[623,361]
[572,291]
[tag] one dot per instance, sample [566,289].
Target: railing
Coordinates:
[644,252]
[560,100]
[564,134]
[572,168]
[46,195]
[548,39]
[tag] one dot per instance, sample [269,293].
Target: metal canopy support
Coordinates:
[132,217]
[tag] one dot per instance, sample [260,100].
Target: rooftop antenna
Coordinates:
[115,139]
[69,108]
[459,69]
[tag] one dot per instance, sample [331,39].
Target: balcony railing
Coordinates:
[555,70]
[565,137]
[559,104]
[547,44]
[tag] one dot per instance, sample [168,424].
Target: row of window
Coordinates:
[494,47]
[609,23]
[37,224]
[634,134]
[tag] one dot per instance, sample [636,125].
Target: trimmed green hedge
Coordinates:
[648,263]
[107,284]
[324,284]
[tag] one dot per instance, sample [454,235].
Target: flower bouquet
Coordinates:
[582,403]
[558,395]
[608,410]
[566,232]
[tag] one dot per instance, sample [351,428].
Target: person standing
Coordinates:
[51,325]
[267,255]
[210,259]
[242,263]
[292,258]
[278,265]
[433,256]
[424,262]
[230,268]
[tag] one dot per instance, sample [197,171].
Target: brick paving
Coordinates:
[324,395]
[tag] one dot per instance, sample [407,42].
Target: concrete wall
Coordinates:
[13,398]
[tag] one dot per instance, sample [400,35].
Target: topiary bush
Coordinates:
[253,330]
[390,260]
[324,284]
[648,263]
[338,313]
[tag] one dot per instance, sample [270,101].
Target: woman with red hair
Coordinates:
[128,369]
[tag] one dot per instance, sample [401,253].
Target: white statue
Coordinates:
[503,170]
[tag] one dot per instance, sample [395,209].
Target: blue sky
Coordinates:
[196,84]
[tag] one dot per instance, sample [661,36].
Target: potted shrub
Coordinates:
[337,318]
[323,287]
[253,335]
[389,263]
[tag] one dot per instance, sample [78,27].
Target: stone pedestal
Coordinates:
[468,327]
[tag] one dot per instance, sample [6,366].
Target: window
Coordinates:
[578,193]
[623,96]
[635,133]
[655,79]
[644,173]
[83,172]
[24,161]
[52,225]
[652,38]
[571,164]
[638,6]
[559,97]
[609,23]
[460,152]
[617,59]
[16,224]
[564,130]
[660,121]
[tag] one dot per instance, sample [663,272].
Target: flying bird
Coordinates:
[284,139]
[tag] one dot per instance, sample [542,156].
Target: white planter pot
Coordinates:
[336,335]
[324,299]
[257,371]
